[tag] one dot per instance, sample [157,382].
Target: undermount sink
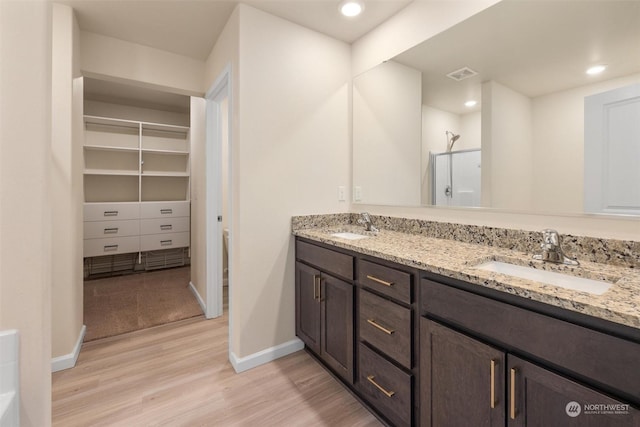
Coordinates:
[596,287]
[349,236]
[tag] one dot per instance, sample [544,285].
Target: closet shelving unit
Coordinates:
[136,189]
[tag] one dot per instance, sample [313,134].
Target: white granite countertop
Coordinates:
[619,304]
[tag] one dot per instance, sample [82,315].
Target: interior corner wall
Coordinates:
[290,155]
[108,58]
[25,209]
[412,25]
[66,186]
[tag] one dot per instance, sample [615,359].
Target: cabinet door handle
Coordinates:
[316,287]
[382,282]
[113,230]
[166,242]
[166,227]
[108,248]
[493,384]
[110,213]
[512,409]
[166,211]
[380,327]
[371,379]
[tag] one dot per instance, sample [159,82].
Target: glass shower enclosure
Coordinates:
[455,178]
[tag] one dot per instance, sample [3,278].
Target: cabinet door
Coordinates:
[308,306]
[337,325]
[461,379]
[538,397]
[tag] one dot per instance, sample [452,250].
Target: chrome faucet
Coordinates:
[366,221]
[552,250]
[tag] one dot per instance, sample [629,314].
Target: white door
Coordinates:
[612,151]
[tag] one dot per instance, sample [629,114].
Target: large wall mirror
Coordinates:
[491,113]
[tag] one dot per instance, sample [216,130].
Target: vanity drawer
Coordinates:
[386,326]
[164,209]
[386,280]
[164,225]
[104,229]
[386,387]
[325,259]
[111,211]
[153,242]
[111,246]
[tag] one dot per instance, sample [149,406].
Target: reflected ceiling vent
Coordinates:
[461,74]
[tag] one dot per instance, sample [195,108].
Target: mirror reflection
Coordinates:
[491,113]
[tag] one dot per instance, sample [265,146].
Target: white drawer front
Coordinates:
[152,242]
[164,209]
[164,225]
[111,246]
[104,229]
[111,211]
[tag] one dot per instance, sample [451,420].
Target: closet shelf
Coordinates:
[110,148]
[122,172]
[160,173]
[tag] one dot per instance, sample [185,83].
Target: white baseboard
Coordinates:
[241,364]
[203,306]
[69,360]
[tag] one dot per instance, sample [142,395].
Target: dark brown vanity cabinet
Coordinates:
[503,365]
[324,307]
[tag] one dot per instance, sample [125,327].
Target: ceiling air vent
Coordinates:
[461,74]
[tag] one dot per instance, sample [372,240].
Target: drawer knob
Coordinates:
[166,227]
[110,213]
[113,230]
[372,379]
[166,211]
[108,248]
[380,327]
[166,242]
[382,282]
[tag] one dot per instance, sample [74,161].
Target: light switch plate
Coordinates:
[342,193]
[357,193]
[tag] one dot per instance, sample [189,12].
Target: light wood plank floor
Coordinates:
[178,375]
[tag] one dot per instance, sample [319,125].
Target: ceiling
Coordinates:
[191,27]
[532,47]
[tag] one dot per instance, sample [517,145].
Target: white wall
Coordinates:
[558,132]
[386,134]
[118,60]
[25,208]
[507,151]
[291,153]
[66,183]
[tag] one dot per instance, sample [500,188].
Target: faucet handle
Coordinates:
[550,237]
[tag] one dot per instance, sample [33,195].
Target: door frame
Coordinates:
[220,90]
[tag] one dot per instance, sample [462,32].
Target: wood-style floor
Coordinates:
[179,375]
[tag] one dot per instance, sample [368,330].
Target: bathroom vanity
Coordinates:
[423,337]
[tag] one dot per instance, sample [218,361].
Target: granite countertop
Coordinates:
[619,304]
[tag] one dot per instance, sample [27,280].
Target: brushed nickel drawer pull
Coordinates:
[113,230]
[513,394]
[166,227]
[371,379]
[382,328]
[382,282]
[166,211]
[166,242]
[110,248]
[110,213]
[493,384]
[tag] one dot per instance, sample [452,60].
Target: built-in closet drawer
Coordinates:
[164,225]
[153,242]
[386,280]
[111,246]
[104,229]
[386,326]
[164,209]
[111,211]
[386,387]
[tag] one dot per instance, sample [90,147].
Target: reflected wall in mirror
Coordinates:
[524,64]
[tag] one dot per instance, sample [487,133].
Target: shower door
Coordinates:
[456,178]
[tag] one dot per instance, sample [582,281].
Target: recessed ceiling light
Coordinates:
[470,103]
[351,8]
[596,69]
